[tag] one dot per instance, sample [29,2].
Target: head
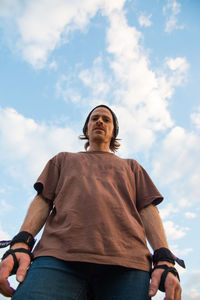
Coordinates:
[101,125]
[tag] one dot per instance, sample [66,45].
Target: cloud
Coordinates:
[139,94]
[145,20]
[195,117]
[177,158]
[5,207]
[9,8]
[3,235]
[190,215]
[40,28]
[53,65]
[193,286]
[167,211]
[171,11]
[179,66]
[96,79]
[27,145]
[66,89]
[180,252]
[173,231]
[123,78]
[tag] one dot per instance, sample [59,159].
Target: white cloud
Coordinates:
[96,79]
[179,66]
[173,231]
[177,147]
[190,215]
[145,20]
[171,10]
[28,145]
[137,94]
[178,158]
[53,65]
[178,63]
[3,235]
[167,211]
[183,202]
[2,190]
[195,117]
[42,27]
[193,286]
[65,89]
[9,8]
[180,252]
[140,94]
[192,294]
[5,207]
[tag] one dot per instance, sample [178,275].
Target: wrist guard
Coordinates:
[12,252]
[21,237]
[164,254]
[167,269]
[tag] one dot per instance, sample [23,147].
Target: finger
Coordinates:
[170,293]
[172,287]
[5,270]
[6,289]
[24,262]
[178,294]
[155,281]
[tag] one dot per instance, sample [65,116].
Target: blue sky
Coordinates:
[58,59]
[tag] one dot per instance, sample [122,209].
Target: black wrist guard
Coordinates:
[12,252]
[164,254]
[21,237]
[24,237]
[167,269]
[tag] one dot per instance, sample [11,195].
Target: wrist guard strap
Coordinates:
[21,237]
[167,269]
[164,254]
[12,252]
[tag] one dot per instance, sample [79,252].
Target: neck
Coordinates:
[99,147]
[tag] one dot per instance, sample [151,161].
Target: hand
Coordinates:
[172,285]
[6,267]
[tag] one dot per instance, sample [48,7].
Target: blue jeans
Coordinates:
[49,278]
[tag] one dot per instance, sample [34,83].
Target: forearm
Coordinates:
[153,227]
[36,216]
[157,239]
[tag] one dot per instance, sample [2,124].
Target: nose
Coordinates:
[99,121]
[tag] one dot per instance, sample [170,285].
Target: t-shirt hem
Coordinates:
[98,259]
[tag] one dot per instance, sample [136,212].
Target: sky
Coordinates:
[60,58]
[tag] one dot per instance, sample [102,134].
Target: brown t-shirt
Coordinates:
[96,199]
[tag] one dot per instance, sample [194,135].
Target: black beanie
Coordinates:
[115,121]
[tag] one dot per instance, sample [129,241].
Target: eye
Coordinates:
[106,120]
[94,118]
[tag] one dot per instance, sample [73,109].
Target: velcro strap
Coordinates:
[164,254]
[167,269]
[4,244]
[12,252]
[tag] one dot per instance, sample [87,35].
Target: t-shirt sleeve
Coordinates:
[47,181]
[146,191]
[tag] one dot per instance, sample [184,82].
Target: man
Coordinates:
[98,210]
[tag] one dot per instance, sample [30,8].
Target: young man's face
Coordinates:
[100,127]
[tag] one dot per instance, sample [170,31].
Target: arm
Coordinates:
[36,216]
[156,237]
[35,219]
[153,227]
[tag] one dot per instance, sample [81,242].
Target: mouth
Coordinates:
[97,128]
